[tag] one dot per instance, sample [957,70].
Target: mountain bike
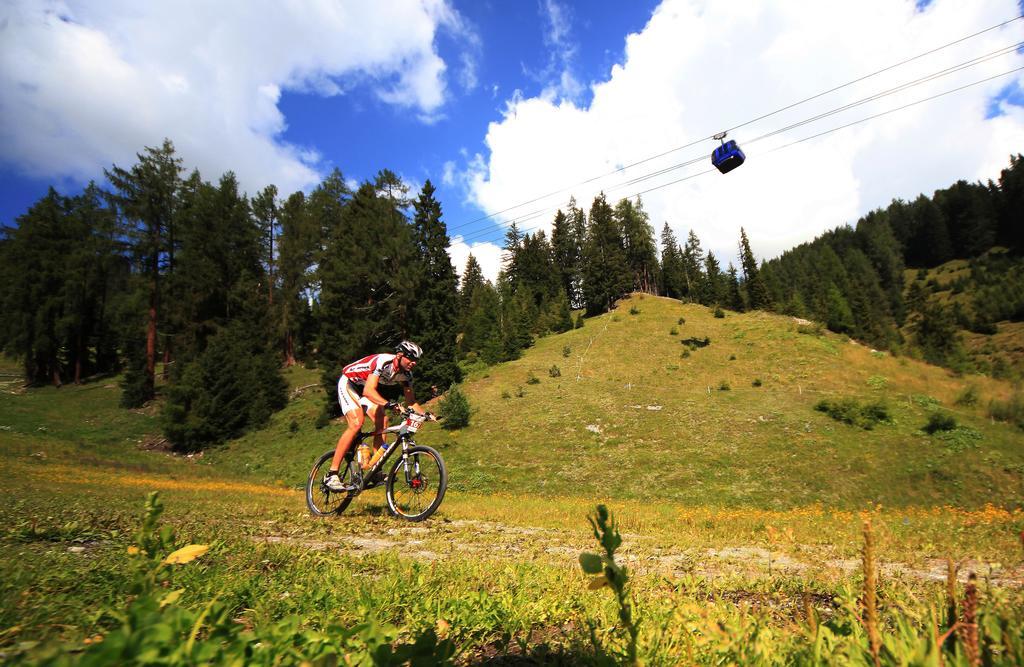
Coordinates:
[414,486]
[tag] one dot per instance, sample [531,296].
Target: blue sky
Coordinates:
[499,103]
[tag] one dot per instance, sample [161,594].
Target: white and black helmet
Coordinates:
[410,349]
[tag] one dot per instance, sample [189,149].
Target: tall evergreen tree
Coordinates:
[715,287]
[578,232]
[693,268]
[566,249]
[673,274]
[265,211]
[756,290]
[733,299]
[638,243]
[606,275]
[1010,203]
[145,195]
[472,278]
[297,248]
[436,311]
[510,256]
[366,274]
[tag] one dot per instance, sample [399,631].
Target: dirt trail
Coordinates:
[439,540]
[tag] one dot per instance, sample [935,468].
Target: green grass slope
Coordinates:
[633,413]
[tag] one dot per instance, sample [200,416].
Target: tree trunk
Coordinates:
[289,350]
[151,340]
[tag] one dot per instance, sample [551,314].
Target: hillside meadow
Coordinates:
[756,527]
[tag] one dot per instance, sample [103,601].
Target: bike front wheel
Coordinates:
[416,485]
[320,499]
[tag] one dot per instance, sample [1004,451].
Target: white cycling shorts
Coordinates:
[349,398]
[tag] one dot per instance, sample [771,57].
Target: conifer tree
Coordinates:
[145,196]
[734,300]
[265,211]
[714,284]
[756,291]
[483,331]
[1010,203]
[566,252]
[693,268]
[638,243]
[606,272]
[673,275]
[436,311]
[297,247]
[510,255]
[472,278]
[577,219]
[366,275]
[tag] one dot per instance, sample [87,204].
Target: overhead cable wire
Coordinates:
[735,127]
[541,212]
[846,107]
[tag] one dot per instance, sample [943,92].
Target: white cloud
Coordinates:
[701,66]
[487,254]
[87,84]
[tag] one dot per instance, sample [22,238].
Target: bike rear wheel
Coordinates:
[320,499]
[416,485]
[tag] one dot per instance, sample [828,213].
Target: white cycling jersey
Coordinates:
[383,366]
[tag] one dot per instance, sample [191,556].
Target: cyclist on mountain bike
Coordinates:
[357,391]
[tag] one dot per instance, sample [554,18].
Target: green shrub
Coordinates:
[724,386]
[732,357]
[633,310]
[719,313]
[681,320]
[505,394]
[555,371]
[939,421]
[532,379]
[685,354]
[756,382]
[566,351]
[695,343]
[877,382]
[454,409]
[673,331]
[849,411]
[519,392]
[968,396]
[1011,411]
[232,387]
[812,329]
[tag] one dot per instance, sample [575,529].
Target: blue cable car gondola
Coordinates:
[728,156]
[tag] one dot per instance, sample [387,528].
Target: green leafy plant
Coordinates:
[609,573]
[566,351]
[724,386]
[633,310]
[673,331]
[756,383]
[532,379]
[719,313]
[554,371]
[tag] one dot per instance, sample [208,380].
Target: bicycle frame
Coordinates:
[405,431]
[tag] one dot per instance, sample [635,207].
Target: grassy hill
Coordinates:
[625,408]
[741,511]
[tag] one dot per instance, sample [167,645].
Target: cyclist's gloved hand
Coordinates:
[392,405]
[431,416]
